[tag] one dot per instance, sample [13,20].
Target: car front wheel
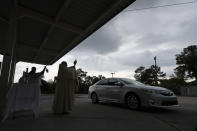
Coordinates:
[132,101]
[94,98]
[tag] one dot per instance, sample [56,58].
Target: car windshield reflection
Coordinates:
[129,81]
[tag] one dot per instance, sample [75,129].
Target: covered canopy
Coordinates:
[48,29]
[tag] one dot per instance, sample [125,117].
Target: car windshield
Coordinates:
[129,81]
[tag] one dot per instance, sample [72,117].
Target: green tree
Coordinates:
[97,78]
[157,74]
[148,75]
[82,80]
[85,81]
[47,87]
[187,62]
[173,83]
[81,75]
[138,73]
[179,73]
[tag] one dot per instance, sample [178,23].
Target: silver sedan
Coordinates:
[133,93]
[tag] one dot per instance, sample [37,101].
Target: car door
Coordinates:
[114,89]
[101,88]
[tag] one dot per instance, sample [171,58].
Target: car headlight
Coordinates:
[167,93]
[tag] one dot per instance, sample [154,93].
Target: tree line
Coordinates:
[186,69]
[85,81]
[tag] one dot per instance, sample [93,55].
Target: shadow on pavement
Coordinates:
[155,110]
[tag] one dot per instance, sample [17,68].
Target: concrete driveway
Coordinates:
[107,117]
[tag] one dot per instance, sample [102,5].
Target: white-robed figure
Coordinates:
[64,94]
[25,95]
[36,77]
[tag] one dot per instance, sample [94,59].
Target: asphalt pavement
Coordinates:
[105,116]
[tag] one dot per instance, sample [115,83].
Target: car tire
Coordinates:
[133,101]
[94,98]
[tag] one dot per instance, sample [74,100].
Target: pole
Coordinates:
[155,59]
[112,74]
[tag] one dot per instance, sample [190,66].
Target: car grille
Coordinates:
[166,93]
[168,103]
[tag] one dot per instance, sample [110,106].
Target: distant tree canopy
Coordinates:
[48,87]
[85,81]
[149,75]
[173,83]
[187,63]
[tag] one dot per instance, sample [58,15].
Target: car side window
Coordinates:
[103,82]
[112,82]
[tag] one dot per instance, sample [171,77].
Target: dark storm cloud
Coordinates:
[143,4]
[152,40]
[164,58]
[153,27]
[104,41]
[188,34]
[184,33]
[126,60]
[174,27]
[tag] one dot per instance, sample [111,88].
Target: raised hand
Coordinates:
[46,69]
[75,62]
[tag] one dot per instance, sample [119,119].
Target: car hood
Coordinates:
[149,87]
[154,87]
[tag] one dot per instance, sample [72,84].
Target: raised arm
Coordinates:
[42,72]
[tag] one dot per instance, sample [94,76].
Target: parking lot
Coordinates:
[107,117]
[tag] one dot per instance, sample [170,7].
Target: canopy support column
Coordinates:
[5,72]
[8,65]
[12,73]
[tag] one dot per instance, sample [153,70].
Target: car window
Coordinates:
[129,81]
[112,82]
[103,82]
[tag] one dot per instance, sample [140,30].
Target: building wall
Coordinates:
[189,91]
[192,91]
[183,91]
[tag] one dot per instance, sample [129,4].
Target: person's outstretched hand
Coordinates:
[46,69]
[75,62]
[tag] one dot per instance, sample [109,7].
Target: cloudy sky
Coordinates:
[132,39]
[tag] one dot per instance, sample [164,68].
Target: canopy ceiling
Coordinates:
[48,29]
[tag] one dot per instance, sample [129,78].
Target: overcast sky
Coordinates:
[132,39]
